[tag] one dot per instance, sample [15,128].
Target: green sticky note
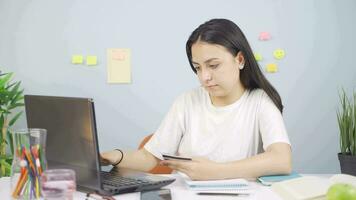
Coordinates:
[91,60]
[258,56]
[77,59]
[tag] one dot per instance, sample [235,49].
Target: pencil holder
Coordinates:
[28,164]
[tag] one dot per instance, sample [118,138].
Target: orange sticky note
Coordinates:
[271,68]
[118,54]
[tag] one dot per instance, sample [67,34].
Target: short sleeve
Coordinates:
[272,128]
[167,138]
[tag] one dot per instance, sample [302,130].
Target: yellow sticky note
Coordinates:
[258,56]
[77,59]
[279,53]
[91,60]
[271,68]
[119,65]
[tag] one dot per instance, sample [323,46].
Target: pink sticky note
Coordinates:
[118,55]
[264,36]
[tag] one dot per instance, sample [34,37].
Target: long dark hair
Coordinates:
[226,33]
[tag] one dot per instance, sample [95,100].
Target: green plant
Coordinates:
[11,97]
[346,117]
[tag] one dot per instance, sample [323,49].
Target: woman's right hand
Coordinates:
[110,157]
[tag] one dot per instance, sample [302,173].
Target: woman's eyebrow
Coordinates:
[209,60]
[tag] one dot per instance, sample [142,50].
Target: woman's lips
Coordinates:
[211,86]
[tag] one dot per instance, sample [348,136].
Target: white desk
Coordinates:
[178,191]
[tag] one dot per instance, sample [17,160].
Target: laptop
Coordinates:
[72,143]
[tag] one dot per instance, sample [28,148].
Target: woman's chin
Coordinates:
[216,93]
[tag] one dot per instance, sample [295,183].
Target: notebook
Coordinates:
[269,180]
[309,187]
[226,186]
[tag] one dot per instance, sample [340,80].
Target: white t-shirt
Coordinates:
[194,127]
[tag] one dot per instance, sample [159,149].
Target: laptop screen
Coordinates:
[71,135]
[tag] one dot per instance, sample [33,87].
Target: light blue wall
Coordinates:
[38,37]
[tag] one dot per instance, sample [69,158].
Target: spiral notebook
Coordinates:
[238,186]
[229,184]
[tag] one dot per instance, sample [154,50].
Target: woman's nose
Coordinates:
[206,75]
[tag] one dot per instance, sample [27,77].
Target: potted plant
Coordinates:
[346,117]
[11,97]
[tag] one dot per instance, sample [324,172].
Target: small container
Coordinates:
[58,184]
[28,164]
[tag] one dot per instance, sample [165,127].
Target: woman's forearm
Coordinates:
[273,161]
[141,160]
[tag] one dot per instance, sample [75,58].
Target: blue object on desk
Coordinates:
[269,180]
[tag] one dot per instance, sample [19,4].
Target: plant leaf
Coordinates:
[1,125]
[10,139]
[15,118]
[346,117]
[5,79]
[5,167]
[13,89]
[15,105]
[18,97]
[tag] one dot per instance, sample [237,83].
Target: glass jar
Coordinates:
[58,184]
[28,164]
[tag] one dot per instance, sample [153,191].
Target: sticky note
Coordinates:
[271,68]
[77,59]
[279,54]
[258,56]
[119,65]
[91,60]
[264,36]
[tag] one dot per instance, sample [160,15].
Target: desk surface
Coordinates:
[178,191]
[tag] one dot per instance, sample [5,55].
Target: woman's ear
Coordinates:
[240,59]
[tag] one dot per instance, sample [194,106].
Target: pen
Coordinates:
[94,196]
[223,194]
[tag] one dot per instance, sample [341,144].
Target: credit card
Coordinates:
[171,157]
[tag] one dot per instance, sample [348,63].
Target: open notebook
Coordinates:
[309,187]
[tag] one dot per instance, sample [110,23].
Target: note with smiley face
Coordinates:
[279,54]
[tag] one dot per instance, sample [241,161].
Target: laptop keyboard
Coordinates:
[119,181]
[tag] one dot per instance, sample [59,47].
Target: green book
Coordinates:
[269,180]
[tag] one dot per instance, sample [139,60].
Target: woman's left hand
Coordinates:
[198,168]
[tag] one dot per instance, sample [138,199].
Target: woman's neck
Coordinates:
[231,98]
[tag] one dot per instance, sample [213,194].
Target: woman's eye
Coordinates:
[214,66]
[197,68]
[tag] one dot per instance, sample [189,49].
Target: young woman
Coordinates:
[231,126]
